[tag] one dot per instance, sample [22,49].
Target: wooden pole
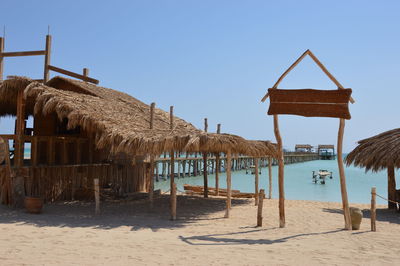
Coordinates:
[205,172]
[97,195]
[391,187]
[151,189]
[217,165]
[343,189]
[269,177]
[1,58]
[172,176]
[47,56]
[173,187]
[86,72]
[260,207]
[256,181]
[281,169]
[228,183]
[373,209]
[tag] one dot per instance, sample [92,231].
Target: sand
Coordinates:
[126,233]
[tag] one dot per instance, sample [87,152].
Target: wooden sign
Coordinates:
[310,102]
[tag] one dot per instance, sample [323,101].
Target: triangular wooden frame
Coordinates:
[319,64]
[278,137]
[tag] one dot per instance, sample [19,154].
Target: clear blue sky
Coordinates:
[216,59]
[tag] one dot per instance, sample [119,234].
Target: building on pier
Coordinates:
[326,152]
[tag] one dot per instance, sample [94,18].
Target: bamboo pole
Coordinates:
[256,181]
[281,169]
[260,207]
[269,177]
[343,189]
[391,187]
[228,183]
[373,209]
[97,195]
[205,172]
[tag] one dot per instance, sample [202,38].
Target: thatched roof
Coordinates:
[118,120]
[378,152]
[324,146]
[303,146]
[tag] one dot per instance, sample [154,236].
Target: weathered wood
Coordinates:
[269,177]
[47,56]
[97,195]
[310,96]
[315,59]
[228,183]
[24,53]
[205,172]
[373,209]
[260,207]
[152,107]
[85,72]
[1,58]
[19,130]
[310,110]
[34,151]
[281,169]
[256,181]
[173,187]
[391,187]
[343,189]
[72,74]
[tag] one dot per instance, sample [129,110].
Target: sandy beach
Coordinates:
[127,233]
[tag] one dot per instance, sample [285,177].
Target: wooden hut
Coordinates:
[82,131]
[378,153]
[326,152]
[303,148]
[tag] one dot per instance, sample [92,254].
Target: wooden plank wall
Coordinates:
[75,182]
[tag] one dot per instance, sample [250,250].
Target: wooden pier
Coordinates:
[192,164]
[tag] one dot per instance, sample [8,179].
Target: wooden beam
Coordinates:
[281,169]
[151,189]
[228,183]
[256,181]
[72,74]
[373,209]
[20,129]
[47,56]
[205,173]
[343,189]
[25,53]
[1,58]
[320,65]
[260,200]
[217,165]
[391,187]
[172,187]
[269,177]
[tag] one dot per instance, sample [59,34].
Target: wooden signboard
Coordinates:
[310,103]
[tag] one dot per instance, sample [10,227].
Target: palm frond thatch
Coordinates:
[120,122]
[378,152]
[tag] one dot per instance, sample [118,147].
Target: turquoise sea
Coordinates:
[298,182]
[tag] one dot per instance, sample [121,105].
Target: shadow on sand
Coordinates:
[135,214]
[382,215]
[218,239]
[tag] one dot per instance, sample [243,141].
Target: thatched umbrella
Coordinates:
[377,153]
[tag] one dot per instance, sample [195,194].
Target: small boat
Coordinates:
[253,170]
[321,176]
